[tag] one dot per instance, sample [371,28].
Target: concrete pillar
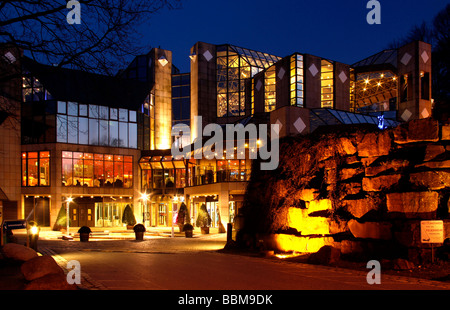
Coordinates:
[224,207]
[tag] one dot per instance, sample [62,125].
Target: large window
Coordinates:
[296,82]
[270,83]
[234,66]
[327,87]
[96,125]
[36,168]
[97,170]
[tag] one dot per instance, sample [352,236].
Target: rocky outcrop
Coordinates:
[355,188]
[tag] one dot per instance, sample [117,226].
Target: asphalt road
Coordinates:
[178,264]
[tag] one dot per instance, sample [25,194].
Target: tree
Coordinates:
[436,33]
[128,216]
[203,218]
[183,215]
[106,35]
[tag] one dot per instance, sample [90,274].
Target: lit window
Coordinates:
[36,168]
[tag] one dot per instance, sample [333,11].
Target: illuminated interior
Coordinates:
[374,91]
[234,66]
[36,168]
[296,82]
[97,170]
[270,89]
[327,84]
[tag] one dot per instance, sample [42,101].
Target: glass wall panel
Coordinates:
[123,134]
[93,131]
[83,130]
[113,133]
[103,133]
[61,128]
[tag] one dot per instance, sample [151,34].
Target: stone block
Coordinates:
[433,150]
[351,247]
[18,252]
[445,132]
[375,144]
[351,188]
[381,183]
[345,146]
[39,266]
[418,130]
[433,180]
[325,256]
[435,164]
[394,165]
[412,204]
[359,207]
[370,230]
[347,173]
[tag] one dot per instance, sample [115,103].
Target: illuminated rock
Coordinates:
[348,173]
[372,230]
[418,130]
[291,243]
[375,144]
[359,207]
[432,151]
[432,180]
[393,165]
[412,204]
[380,183]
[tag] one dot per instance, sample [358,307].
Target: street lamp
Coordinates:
[68,201]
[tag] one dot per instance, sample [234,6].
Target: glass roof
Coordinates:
[326,117]
[254,58]
[383,57]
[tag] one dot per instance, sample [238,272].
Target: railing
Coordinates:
[210,177]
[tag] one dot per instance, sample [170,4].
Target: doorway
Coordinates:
[82,214]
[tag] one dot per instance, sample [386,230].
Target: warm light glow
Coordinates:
[290,243]
[69,199]
[144,197]
[284,256]
[34,230]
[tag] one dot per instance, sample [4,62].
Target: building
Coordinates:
[106,141]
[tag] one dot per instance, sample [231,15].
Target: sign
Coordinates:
[18,224]
[432,231]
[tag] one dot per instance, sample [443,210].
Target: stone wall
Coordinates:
[358,189]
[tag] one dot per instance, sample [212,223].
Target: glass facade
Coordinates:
[97,170]
[234,66]
[36,168]
[327,84]
[374,91]
[162,172]
[96,125]
[296,82]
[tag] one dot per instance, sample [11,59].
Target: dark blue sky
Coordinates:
[334,29]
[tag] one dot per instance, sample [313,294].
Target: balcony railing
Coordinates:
[210,177]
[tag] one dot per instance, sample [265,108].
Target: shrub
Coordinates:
[203,218]
[128,216]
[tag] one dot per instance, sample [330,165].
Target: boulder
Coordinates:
[395,165]
[375,144]
[418,130]
[446,132]
[371,230]
[412,203]
[18,252]
[432,151]
[40,266]
[325,256]
[380,183]
[359,207]
[53,281]
[433,180]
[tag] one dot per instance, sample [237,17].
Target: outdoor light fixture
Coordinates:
[163,61]
[68,201]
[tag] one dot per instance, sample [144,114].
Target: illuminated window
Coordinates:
[97,170]
[327,92]
[296,82]
[270,89]
[36,168]
[234,66]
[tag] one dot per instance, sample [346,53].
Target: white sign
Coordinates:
[432,231]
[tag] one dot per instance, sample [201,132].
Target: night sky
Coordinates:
[333,29]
